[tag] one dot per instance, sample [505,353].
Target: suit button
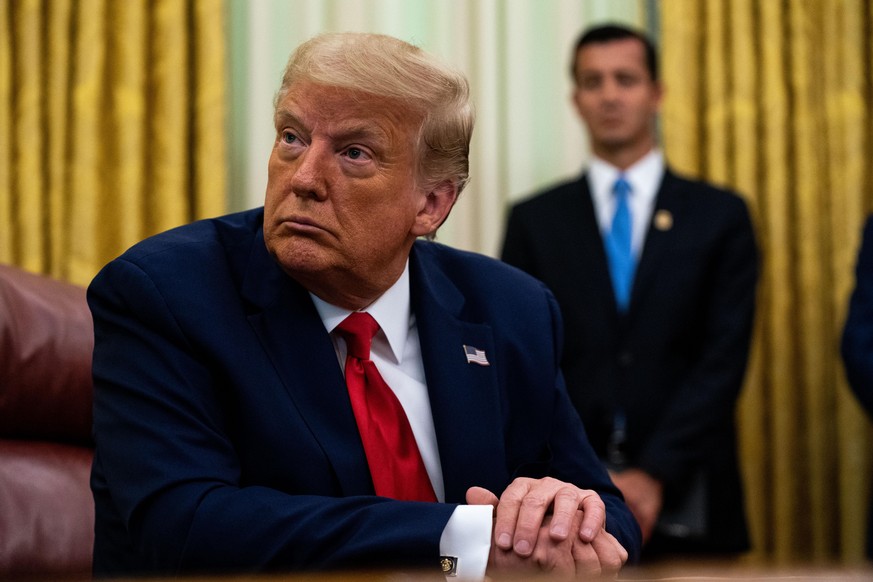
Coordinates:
[625,359]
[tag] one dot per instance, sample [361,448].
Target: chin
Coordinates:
[616,143]
[613,137]
[300,256]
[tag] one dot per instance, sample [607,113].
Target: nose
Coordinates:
[311,173]
[610,90]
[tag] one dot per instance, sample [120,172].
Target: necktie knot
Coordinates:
[358,330]
[621,188]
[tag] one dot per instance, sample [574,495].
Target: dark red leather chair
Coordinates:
[46,508]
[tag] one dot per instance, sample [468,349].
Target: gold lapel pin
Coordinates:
[663,220]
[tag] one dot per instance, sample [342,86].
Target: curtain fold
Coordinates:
[6,235]
[27,134]
[85,145]
[111,127]
[779,108]
[59,19]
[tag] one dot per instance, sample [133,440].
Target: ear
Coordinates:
[437,204]
[574,99]
[659,95]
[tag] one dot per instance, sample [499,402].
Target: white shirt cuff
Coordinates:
[467,537]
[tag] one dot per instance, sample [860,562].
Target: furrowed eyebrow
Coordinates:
[367,132]
[360,132]
[285,116]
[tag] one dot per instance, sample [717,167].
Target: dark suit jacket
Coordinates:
[225,437]
[857,342]
[675,362]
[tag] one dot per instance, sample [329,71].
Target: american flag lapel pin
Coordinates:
[475,356]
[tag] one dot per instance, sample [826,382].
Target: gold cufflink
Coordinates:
[449,565]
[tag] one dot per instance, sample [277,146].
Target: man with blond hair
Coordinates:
[313,385]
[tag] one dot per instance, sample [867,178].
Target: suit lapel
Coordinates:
[293,335]
[596,261]
[659,237]
[463,396]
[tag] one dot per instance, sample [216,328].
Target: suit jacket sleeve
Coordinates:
[857,342]
[708,392]
[172,473]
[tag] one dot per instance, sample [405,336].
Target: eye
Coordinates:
[357,154]
[627,80]
[288,137]
[589,82]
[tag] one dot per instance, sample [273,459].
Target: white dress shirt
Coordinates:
[645,178]
[396,352]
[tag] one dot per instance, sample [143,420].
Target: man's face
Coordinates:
[342,207]
[616,96]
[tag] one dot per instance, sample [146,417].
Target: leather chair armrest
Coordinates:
[46,342]
[47,524]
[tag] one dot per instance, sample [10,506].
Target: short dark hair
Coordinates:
[611,32]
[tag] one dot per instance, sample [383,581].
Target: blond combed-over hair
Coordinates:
[388,67]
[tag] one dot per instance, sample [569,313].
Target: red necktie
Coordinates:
[395,462]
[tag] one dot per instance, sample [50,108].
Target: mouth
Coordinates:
[611,118]
[303,225]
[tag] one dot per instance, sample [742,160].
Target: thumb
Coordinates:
[481,496]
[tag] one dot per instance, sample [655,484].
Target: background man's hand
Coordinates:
[644,496]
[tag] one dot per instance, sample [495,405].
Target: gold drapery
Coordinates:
[111,126]
[775,99]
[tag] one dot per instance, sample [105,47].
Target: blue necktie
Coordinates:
[618,246]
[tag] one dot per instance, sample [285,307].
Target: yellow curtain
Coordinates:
[775,99]
[111,126]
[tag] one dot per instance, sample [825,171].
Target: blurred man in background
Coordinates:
[655,275]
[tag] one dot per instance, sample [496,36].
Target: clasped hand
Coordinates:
[550,526]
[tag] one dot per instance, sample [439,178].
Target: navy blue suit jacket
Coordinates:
[674,363]
[857,341]
[225,438]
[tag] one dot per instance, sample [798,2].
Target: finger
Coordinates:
[508,562]
[611,554]
[556,559]
[481,496]
[586,560]
[647,528]
[531,512]
[593,516]
[564,508]
[507,512]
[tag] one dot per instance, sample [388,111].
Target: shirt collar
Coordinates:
[391,311]
[644,176]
